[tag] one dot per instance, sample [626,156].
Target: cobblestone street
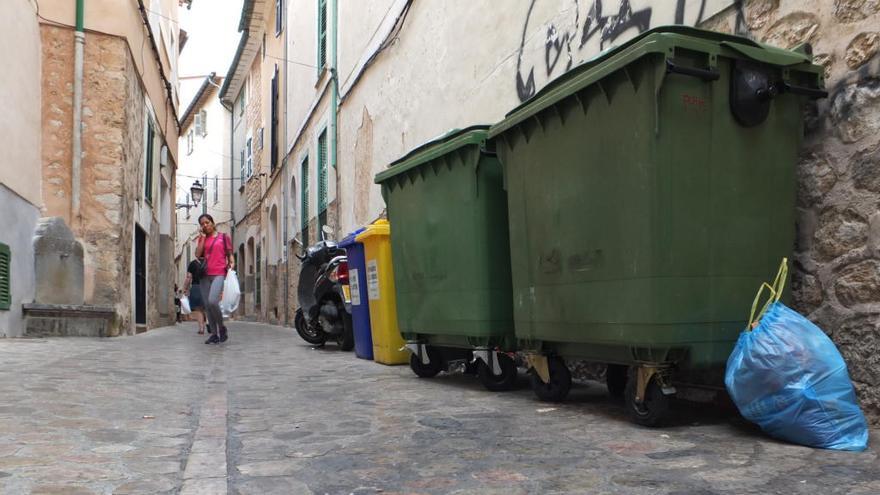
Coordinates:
[265,413]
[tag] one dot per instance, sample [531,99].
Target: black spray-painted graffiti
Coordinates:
[597,24]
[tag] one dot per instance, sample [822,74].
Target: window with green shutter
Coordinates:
[205,195]
[148,161]
[322,172]
[5,277]
[322,34]
[304,201]
[257,285]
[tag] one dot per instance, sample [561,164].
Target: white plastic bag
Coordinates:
[184,306]
[231,294]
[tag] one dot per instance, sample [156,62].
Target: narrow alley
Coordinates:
[161,412]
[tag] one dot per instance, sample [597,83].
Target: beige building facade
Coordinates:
[20,178]
[253,92]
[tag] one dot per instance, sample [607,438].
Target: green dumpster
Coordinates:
[650,192]
[451,259]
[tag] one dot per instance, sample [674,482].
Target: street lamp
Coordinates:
[196,192]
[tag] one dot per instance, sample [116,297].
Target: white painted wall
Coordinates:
[210,155]
[20,93]
[457,63]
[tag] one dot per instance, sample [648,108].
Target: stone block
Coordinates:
[854,110]
[855,10]
[859,284]
[793,29]
[861,49]
[839,232]
[58,263]
[59,320]
[865,167]
[816,178]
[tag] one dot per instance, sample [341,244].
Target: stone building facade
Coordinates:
[252,91]
[836,276]
[129,143]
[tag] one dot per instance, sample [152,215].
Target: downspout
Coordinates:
[334,102]
[232,182]
[78,49]
[284,187]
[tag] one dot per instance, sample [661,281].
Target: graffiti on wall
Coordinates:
[558,34]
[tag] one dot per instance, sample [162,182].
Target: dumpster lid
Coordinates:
[435,148]
[350,239]
[380,227]
[656,40]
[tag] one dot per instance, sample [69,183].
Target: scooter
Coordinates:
[324,295]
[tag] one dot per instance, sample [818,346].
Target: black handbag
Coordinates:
[201,267]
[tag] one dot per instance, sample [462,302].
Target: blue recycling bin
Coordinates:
[360,308]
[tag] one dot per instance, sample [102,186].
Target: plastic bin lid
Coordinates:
[451,141]
[658,40]
[350,240]
[380,227]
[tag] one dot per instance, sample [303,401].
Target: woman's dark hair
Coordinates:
[205,215]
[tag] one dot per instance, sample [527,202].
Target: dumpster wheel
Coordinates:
[498,383]
[556,389]
[652,406]
[429,370]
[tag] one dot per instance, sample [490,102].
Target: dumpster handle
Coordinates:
[804,91]
[704,74]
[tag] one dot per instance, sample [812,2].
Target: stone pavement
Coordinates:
[265,413]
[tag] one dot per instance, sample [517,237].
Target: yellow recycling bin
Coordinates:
[387,341]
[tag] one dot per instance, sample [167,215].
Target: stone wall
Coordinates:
[114,112]
[836,276]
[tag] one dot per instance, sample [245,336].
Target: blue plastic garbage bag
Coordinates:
[787,376]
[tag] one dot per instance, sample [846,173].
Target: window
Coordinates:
[205,196]
[322,171]
[273,129]
[216,189]
[5,277]
[242,167]
[242,100]
[279,16]
[148,165]
[304,201]
[189,142]
[260,139]
[322,34]
[201,123]
[250,157]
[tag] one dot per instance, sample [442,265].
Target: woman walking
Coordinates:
[193,291]
[216,248]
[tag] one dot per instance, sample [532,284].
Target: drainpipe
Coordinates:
[334,100]
[286,184]
[78,49]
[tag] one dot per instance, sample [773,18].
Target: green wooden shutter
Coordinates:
[5,277]
[258,296]
[148,175]
[322,172]
[304,201]
[322,33]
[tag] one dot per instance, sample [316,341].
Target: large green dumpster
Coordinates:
[451,256]
[651,190]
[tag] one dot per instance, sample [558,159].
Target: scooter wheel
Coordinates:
[310,335]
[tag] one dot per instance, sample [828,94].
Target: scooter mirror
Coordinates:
[327,230]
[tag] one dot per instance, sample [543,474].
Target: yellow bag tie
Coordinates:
[775,289]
